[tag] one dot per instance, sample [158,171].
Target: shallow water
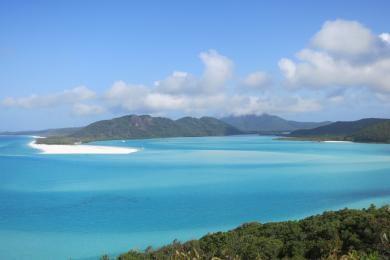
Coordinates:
[82,206]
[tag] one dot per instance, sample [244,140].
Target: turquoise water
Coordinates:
[82,206]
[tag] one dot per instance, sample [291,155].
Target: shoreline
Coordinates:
[313,139]
[330,141]
[80,149]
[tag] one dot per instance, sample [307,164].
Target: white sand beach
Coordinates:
[80,149]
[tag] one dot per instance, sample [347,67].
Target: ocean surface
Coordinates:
[84,206]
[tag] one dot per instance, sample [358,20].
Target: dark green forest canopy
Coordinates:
[344,234]
[378,133]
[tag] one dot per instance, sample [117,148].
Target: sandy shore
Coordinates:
[80,149]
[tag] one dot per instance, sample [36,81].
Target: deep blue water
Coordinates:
[82,206]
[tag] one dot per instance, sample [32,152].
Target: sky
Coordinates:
[70,63]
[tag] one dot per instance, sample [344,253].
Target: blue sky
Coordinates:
[68,63]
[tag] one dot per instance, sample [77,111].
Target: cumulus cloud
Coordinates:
[87,110]
[218,69]
[344,54]
[208,94]
[163,102]
[179,94]
[244,105]
[219,104]
[257,80]
[345,37]
[126,96]
[177,83]
[70,96]
[385,37]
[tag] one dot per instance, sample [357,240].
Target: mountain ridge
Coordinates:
[268,123]
[145,126]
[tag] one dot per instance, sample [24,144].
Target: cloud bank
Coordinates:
[344,62]
[209,94]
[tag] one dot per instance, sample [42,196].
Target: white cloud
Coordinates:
[218,69]
[244,105]
[348,55]
[164,102]
[87,110]
[345,37]
[385,37]
[127,96]
[177,83]
[288,68]
[180,91]
[257,80]
[137,98]
[180,94]
[130,99]
[77,93]
[70,96]
[183,93]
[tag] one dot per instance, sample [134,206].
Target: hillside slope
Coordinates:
[377,133]
[340,128]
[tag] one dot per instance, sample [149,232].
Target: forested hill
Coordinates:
[344,234]
[364,130]
[268,123]
[145,126]
[379,133]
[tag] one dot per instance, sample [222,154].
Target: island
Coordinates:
[143,127]
[368,130]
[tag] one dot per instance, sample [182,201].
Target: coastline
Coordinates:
[330,141]
[80,149]
[314,139]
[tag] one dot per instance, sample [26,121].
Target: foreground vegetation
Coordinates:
[345,234]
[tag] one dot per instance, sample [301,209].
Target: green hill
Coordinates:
[344,234]
[377,133]
[145,126]
[364,130]
[268,123]
[340,128]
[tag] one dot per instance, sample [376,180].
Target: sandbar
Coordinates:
[80,149]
